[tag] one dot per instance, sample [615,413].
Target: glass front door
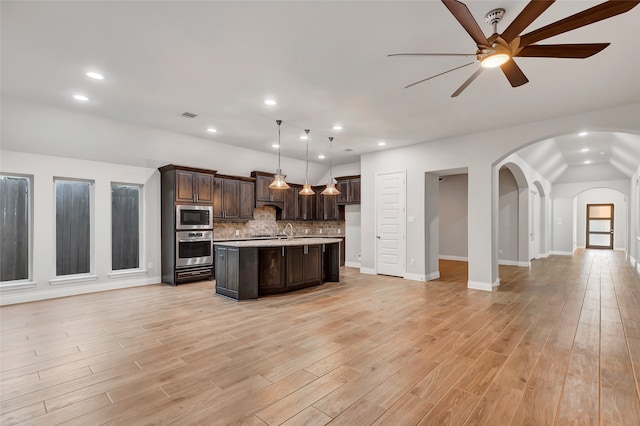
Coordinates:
[600,226]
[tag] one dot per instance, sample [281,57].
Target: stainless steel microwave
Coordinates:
[194,217]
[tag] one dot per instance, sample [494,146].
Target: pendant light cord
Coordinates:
[278,122]
[306,170]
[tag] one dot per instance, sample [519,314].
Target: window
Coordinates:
[15,227]
[125,226]
[73,227]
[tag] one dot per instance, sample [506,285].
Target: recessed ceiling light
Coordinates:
[321,156]
[80,98]
[601,152]
[270,102]
[304,137]
[382,143]
[584,150]
[275,145]
[587,162]
[211,130]
[337,127]
[95,75]
[583,133]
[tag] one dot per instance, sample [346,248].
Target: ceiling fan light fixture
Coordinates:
[494,60]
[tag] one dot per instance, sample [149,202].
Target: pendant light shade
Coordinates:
[278,178]
[330,189]
[306,188]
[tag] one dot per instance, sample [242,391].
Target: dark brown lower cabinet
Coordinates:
[271,270]
[246,272]
[304,266]
[237,272]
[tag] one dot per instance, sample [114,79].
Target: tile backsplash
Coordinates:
[264,223]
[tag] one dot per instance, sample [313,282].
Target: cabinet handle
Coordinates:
[282,251]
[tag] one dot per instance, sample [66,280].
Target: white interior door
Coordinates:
[390,223]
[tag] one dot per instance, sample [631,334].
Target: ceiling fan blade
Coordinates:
[461,12]
[467,83]
[432,54]
[578,51]
[529,14]
[586,17]
[438,75]
[514,74]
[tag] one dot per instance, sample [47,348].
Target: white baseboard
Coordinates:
[478,285]
[633,261]
[352,265]
[433,276]
[524,264]
[52,293]
[457,258]
[368,271]
[415,277]
[561,253]
[507,262]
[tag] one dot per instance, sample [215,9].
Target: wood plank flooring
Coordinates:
[558,343]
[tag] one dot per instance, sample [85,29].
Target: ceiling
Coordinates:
[324,63]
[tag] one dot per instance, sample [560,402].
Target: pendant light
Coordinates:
[278,178]
[331,186]
[306,188]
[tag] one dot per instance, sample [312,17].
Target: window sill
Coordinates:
[17,285]
[73,279]
[127,273]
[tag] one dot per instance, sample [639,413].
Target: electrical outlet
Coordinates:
[413,261]
[339,231]
[306,230]
[320,231]
[150,266]
[237,232]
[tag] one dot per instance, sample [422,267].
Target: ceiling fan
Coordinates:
[499,50]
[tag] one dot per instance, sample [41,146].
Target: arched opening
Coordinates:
[592,227]
[514,236]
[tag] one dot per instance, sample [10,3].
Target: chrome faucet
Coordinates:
[284,231]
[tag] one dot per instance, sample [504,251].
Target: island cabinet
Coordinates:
[349,187]
[233,197]
[235,267]
[304,266]
[247,269]
[265,196]
[272,270]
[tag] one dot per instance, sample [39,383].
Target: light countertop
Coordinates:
[296,241]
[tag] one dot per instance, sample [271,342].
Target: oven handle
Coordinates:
[191,240]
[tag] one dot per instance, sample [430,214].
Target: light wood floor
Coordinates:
[557,344]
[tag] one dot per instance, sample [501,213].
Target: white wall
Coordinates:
[38,129]
[478,153]
[352,235]
[508,229]
[634,220]
[43,169]
[603,196]
[453,210]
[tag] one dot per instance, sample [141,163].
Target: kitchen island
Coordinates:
[248,269]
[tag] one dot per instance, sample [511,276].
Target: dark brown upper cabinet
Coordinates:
[349,187]
[191,185]
[233,198]
[290,208]
[306,207]
[266,196]
[326,206]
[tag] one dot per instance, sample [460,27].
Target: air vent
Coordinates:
[348,150]
[189,115]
